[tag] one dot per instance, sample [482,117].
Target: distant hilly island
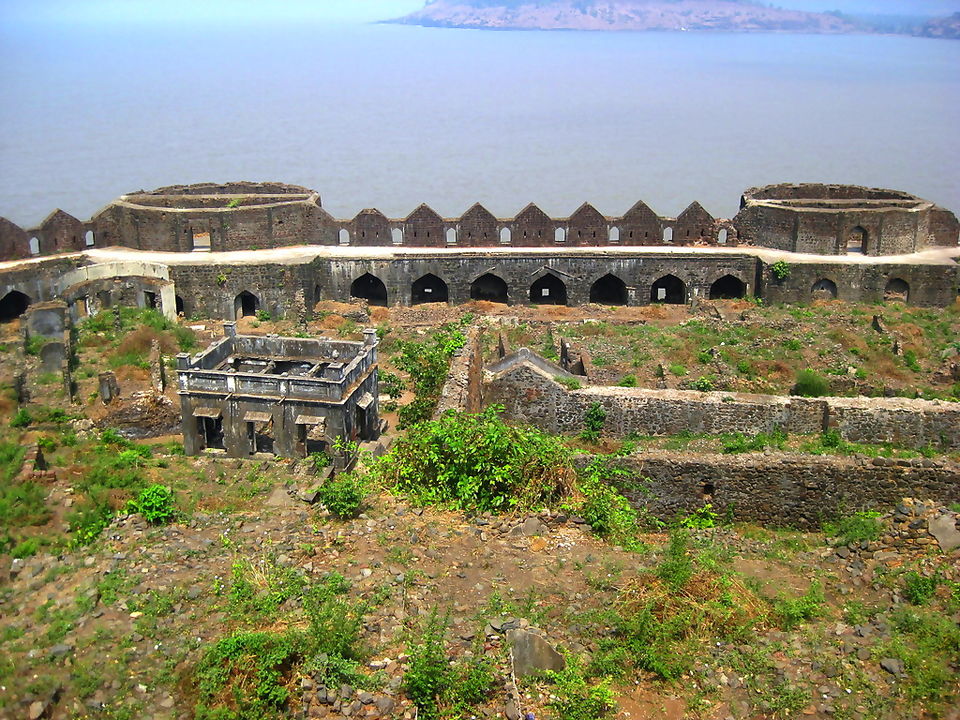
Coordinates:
[666,15]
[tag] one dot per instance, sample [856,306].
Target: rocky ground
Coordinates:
[116,629]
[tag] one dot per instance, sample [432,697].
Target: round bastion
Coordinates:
[826,219]
[213,217]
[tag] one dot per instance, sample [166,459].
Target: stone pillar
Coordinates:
[109,389]
[230,328]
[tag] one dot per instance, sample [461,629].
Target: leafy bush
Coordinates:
[318,461]
[391,384]
[809,383]
[704,383]
[780,270]
[700,519]
[263,315]
[342,495]
[21,418]
[608,512]
[806,607]
[593,421]
[862,526]
[740,443]
[476,462]
[155,503]
[247,671]
[678,370]
[919,589]
[427,363]
[428,676]
[628,381]
[677,567]
[576,697]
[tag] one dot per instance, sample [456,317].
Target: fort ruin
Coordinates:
[187,249]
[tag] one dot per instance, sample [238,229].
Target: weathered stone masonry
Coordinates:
[633,259]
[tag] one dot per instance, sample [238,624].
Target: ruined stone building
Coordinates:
[249,394]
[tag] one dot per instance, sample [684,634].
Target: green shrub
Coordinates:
[88,521]
[21,418]
[391,384]
[26,548]
[704,383]
[477,463]
[428,676]
[791,612]
[342,495]
[780,270]
[678,370]
[593,421]
[576,698]
[809,383]
[427,363]
[263,315]
[862,526]
[740,443]
[608,512]
[248,672]
[677,566]
[919,589]
[700,519]
[318,461]
[910,360]
[156,504]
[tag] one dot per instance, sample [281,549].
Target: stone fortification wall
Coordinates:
[837,219]
[532,396]
[928,285]
[463,386]
[807,218]
[785,489]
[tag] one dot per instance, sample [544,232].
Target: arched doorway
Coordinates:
[428,289]
[670,290]
[548,290]
[245,304]
[897,290]
[857,240]
[727,288]
[609,290]
[179,303]
[824,289]
[369,288]
[13,305]
[489,287]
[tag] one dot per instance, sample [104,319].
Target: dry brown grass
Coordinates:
[715,603]
[140,340]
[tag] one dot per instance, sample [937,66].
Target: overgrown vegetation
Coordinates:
[427,363]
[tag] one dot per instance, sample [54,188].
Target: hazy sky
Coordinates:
[155,11]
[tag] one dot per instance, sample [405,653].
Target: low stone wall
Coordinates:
[786,489]
[533,396]
[462,389]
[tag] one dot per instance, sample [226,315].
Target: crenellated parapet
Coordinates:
[806,218]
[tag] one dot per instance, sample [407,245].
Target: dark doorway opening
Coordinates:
[548,290]
[727,288]
[13,305]
[370,288]
[179,301]
[211,432]
[897,290]
[429,289]
[150,300]
[246,304]
[824,289]
[857,240]
[670,290]
[609,290]
[489,287]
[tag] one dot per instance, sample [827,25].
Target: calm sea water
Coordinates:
[394,116]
